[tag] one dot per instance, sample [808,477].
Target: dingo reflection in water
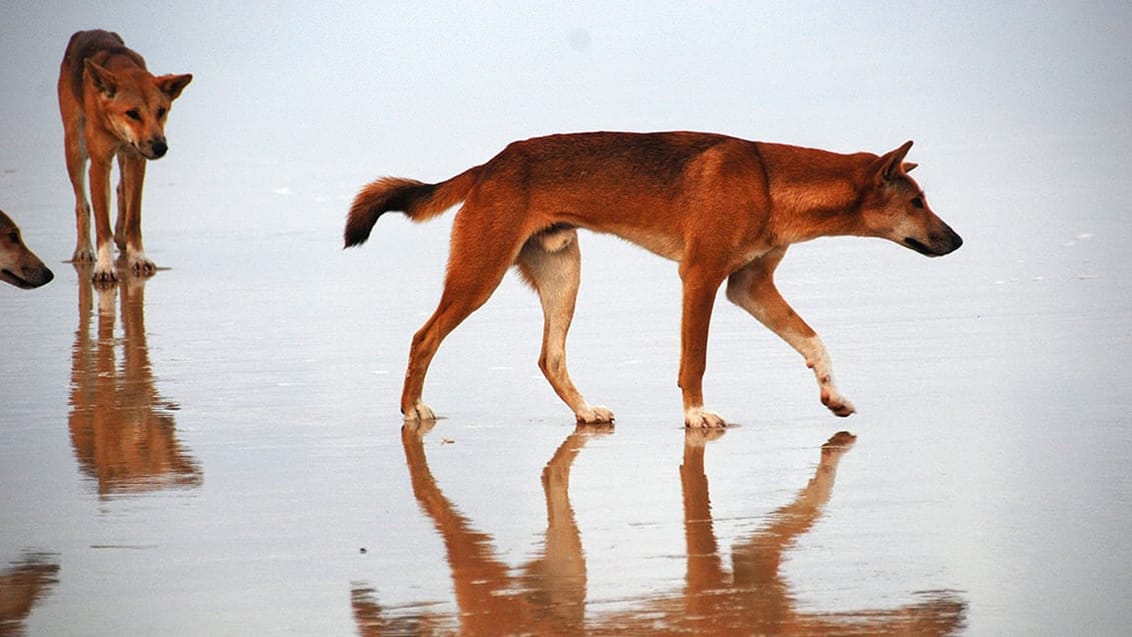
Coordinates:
[22,585]
[549,596]
[754,597]
[122,429]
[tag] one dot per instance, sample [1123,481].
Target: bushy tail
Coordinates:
[419,201]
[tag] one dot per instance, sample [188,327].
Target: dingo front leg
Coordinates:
[128,234]
[752,288]
[104,269]
[817,359]
[699,298]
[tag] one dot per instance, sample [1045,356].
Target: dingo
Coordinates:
[18,265]
[724,208]
[112,107]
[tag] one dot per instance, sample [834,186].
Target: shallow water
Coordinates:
[217,450]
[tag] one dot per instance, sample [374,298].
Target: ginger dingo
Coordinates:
[18,264]
[112,107]
[724,208]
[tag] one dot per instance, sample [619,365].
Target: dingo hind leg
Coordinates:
[752,288]
[481,253]
[76,171]
[551,263]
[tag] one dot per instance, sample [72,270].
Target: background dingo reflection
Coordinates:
[123,431]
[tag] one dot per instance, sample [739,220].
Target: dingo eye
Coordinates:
[918,202]
[133,114]
[14,237]
[160,113]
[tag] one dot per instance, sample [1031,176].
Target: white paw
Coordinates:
[590,415]
[699,418]
[140,263]
[83,254]
[104,268]
[837,403]
[419,412]
[104,275]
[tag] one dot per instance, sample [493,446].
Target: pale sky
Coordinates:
[351,80]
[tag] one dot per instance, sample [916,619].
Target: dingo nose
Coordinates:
[158,148]
[954,240]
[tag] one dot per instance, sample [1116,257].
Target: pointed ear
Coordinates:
[103,80]
[909,166]
[891,165]
[172,85]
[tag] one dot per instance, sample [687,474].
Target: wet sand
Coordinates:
[216,450]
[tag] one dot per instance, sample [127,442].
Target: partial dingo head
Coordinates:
[895,208]
[136,104]
[18,265]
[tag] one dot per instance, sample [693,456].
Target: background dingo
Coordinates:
[18,264]
[112,106]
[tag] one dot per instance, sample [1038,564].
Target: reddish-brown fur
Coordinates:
[724,208]
[112,107]
[18,264]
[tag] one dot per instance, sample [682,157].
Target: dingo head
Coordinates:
[18,265]
[894,208]
[135,105]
